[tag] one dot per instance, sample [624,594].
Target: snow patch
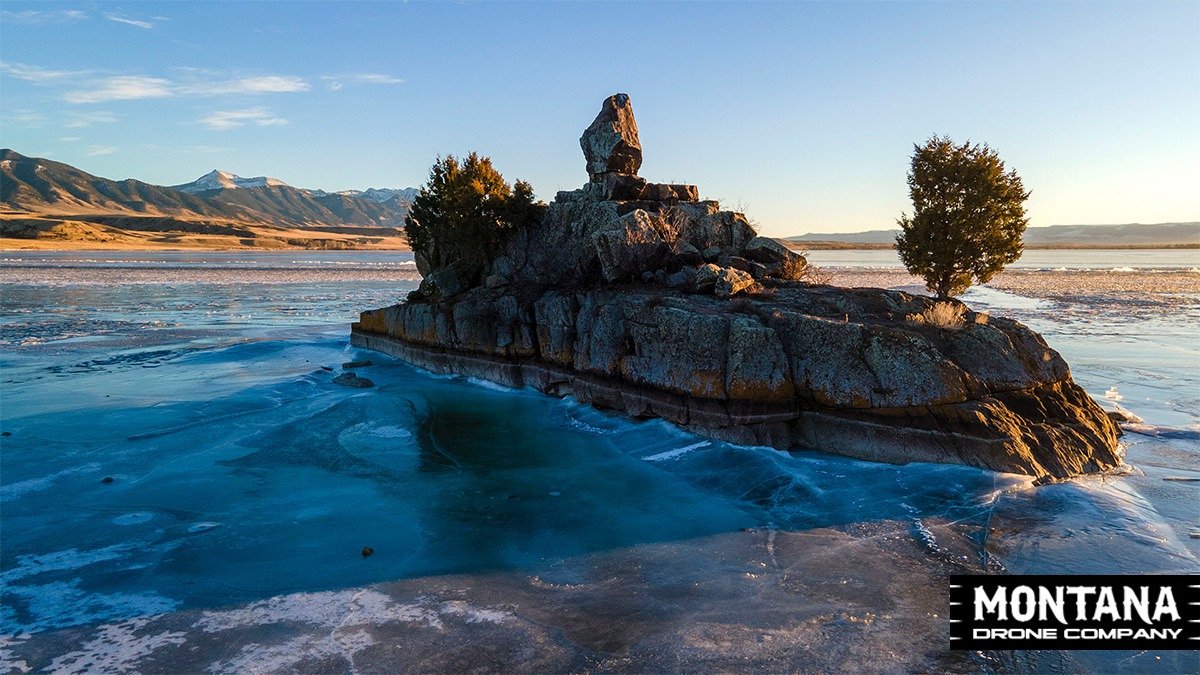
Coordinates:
[61,604]
[391,432]
[18,489]
[223,180]
[672,454]
[116,648]
[70,559]
[327,609]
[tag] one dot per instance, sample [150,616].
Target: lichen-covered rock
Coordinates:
[811,368]
[730,282]
[633,243]
[624,296]
[611,144]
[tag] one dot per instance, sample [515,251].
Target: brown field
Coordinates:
[74,232]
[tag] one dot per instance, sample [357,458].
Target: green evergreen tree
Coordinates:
[466,212]
[968,216]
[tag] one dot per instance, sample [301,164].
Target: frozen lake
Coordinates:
[245,485]
[1038,259]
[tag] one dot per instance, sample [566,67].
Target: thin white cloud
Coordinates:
[37,74]
[223,120]
[132,22]
[100,150]
[36,16]
[26,117]
[264,84]
[124,88]
[87,87]
[273,83]
[80,120]
[336,82]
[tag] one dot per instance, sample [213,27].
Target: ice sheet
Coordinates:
[242,475]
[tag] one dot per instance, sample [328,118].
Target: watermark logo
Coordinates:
[1075,612]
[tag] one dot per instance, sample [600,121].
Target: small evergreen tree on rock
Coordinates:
[968,216]
[460,220]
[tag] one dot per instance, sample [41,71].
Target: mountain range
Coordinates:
[36,185]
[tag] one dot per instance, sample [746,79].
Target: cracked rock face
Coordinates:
[641,298]
[611,144]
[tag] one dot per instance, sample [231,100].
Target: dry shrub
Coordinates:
[947,315]
[760,292]
[796,268]
[981,318]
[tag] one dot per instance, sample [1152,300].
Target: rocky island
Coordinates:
[642,298]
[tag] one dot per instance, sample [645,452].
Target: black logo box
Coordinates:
[971,596]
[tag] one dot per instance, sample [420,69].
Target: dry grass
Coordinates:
[946,315]
[796,268]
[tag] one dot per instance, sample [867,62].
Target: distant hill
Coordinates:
[37,185]
[58,197]
[1054,236]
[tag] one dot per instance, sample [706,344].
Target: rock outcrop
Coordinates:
[641,298]
[611,144]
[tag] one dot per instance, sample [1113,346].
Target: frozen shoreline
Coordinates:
[1039,283]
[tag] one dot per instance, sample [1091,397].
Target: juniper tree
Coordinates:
[968,216]
[466,212]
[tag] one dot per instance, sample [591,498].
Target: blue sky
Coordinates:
[802,114]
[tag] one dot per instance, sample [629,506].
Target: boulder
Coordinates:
[683,280]
[730,282]
[610,144]
[705,279]
[764,250]
[634,243]
[448,281]
[622,186]
[683,254]
[662,192]
[352,380]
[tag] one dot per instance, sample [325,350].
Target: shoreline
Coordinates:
[14,244]
[844,246]
[57,246]
[1060,284]
[1036,283]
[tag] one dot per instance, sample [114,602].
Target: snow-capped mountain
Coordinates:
[381,195]
[281,203]
[33,184]
[223,180]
